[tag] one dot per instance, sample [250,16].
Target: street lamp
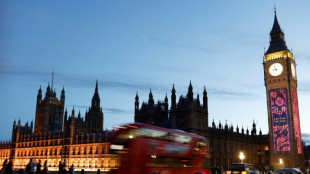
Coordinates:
[241,156]
[281,162]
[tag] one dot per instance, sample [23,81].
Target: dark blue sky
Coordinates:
[132,46]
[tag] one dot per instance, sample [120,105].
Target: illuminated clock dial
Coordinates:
[275,69]
[293,70]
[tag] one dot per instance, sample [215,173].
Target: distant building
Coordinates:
[286,148]
[282,147]
[191,115]
[58,137]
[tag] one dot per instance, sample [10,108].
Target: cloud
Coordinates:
[112,81]
[116,111]
[105,110]
[306,138]
[78,79]
[230,93]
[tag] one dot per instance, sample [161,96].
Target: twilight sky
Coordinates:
[135,46]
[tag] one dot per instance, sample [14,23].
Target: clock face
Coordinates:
[293,70]
[275,69]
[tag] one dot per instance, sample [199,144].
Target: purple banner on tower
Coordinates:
[280,123]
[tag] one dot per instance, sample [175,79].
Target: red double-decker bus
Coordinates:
[147,149]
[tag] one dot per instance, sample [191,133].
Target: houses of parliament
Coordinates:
[58,135]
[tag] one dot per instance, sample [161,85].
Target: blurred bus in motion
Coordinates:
[147,149]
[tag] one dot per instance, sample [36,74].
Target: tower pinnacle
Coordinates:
[52,79]
[277,47]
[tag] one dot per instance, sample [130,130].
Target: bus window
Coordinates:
[168,162]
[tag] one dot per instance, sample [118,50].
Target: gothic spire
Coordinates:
[190,87]
[173,98]
[96,98]
[173,90]
[151,100]
[150,94]
[40,90]
[204,91]
[205,100]
[276,26]
[190,91]
[277,39]
[137,97]
[39,97]
[166,98]
[63,90]
[73,111]
[52,79]
[136,102]
[96,90]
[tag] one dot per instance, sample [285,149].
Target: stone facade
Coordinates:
[190,115]
[76,141]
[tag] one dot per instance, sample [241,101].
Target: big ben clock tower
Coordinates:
[281,88]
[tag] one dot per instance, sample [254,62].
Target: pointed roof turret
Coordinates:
[173,90]
[137,97]
[137,102]
[198,101]
[151,100]
[40,90]
[254,125]
[150,94]
[190,91]
[213,124]
[173,98]
[277,47]
[226,126]
[96,89]
[276,26]
[63,90]
[73,111]
[39,96]
[48,87]
[204,91]
[96,98]
[54,93]
[190,87]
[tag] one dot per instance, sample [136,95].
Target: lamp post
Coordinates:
[241,156]
[281,162]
